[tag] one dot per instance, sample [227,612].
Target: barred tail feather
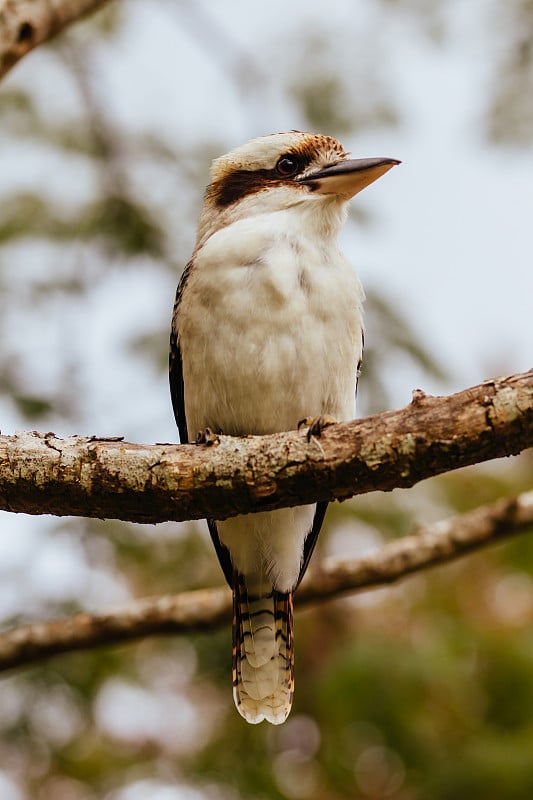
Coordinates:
[263,653]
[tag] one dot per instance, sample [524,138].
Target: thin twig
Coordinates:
[210,608]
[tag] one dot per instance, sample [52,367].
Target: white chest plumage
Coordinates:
[271,328]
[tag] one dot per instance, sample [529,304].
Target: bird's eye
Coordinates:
[287,166]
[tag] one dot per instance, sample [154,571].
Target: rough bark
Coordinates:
[24,24]
[94,477]
[209,608]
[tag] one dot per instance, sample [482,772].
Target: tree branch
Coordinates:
[209,608]
[24,24]
[92,477]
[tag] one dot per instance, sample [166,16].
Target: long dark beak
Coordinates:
[347,178]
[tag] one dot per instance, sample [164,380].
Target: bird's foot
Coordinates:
[315,425]
[207,437]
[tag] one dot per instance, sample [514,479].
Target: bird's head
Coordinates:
[281,171]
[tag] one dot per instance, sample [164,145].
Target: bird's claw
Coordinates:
[207,437]
[315,425]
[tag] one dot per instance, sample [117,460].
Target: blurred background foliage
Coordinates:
[420,691]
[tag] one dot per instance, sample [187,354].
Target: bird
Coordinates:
[267,331]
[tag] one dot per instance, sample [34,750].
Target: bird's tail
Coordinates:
[263,652]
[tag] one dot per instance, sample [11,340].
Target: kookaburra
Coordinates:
[267,330]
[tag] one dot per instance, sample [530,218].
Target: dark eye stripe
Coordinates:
[241,182]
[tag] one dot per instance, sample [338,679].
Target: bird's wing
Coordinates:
[175,367]
[358,367]
[177,394]
[311,538]
[175,375]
